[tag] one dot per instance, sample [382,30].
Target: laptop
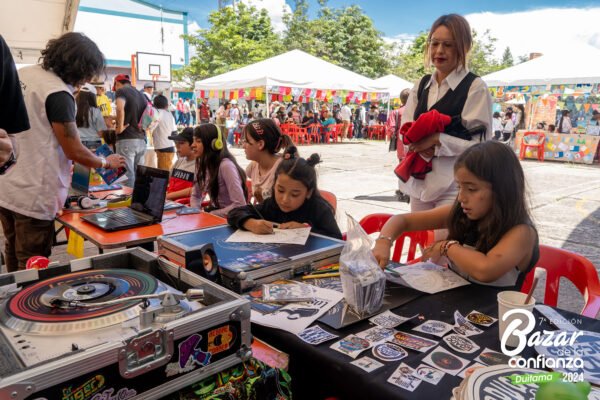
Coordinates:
[80,182]
[147,203]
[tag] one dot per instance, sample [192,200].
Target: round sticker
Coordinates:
[480,319]
[446,361]
[461,343]
[389,352]
[494,358]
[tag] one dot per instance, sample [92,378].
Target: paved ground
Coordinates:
[565,198]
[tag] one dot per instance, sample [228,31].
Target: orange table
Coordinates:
[172,223]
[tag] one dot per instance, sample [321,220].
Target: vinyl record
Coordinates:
[44,306]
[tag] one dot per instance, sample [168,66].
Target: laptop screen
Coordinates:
[150,191]
[81,178]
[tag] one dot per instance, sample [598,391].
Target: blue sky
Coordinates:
[525,26]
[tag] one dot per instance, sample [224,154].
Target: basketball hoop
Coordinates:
[155,77]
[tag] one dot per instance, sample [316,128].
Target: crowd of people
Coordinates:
[468,188]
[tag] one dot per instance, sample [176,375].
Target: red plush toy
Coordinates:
[427,124]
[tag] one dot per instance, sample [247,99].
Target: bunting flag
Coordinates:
[351,95]
[280,98]
[308,92]
[240,93]
[253,93]
[232,94]
[281,90]
[364,96]
[329,94]
[578,106]
[274,97]
[211,94]
[259,92]
[319,94]
[586,107]
[545,102]
[594,106]
[201,94]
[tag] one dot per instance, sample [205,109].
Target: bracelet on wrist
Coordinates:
[446,246]
[388,238]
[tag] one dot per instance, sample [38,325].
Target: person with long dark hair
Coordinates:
[36,187]
[296,201]
[90,122]
[492,239]
[218,174]
[564,124]
[262,143]
[454,91]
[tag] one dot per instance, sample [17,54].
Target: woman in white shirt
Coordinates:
[497,126]
[454,91]
[509,126]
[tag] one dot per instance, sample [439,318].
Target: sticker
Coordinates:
[428,374]
[446,361]
[389,352]
[403,377]
[389,320]
[189,356]
[462,373]
[433,327]
[85,390]
[316,335]
[367,363]
[480,318]
[460,343]
[220,339]
[464,327]
[491,357]
[376,334]
[413,342]
[351,345]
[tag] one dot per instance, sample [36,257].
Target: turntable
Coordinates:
[123,325]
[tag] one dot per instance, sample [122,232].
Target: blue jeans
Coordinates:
[133,150]
[230,135]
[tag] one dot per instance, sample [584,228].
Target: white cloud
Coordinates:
[547,30]
[193,27]
[275,8]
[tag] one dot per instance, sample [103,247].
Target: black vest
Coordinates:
[451,104]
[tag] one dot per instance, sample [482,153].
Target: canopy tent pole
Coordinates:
[267,101]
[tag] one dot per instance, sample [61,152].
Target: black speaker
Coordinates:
[202,260]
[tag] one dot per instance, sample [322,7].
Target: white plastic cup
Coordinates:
[510,300]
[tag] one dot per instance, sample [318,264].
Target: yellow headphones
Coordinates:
[217,144]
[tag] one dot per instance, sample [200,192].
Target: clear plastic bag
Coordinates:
[363,281]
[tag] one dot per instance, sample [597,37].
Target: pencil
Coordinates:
[329,275]
[275,225]
[324,271]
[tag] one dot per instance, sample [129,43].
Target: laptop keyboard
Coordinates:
[122,216]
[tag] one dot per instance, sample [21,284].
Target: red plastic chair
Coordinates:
[250,195]
[330,197]
[314,133]
[538,139]
[374,223]
[576,268]
[376,130]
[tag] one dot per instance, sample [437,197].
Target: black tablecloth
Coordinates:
[318,371]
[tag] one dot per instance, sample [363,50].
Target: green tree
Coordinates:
[409,64]
[344,36]
[236,37]
[507,58]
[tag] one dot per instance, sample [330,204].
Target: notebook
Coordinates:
[80,182]
[147,203]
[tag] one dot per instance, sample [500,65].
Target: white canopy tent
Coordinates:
[27,25]
[553,69]
[394,84]
[292,69]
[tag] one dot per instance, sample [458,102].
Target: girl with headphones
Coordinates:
[218,174]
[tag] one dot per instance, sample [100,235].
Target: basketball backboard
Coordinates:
[153,67]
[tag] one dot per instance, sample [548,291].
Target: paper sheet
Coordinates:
[285,236]
[426,277]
